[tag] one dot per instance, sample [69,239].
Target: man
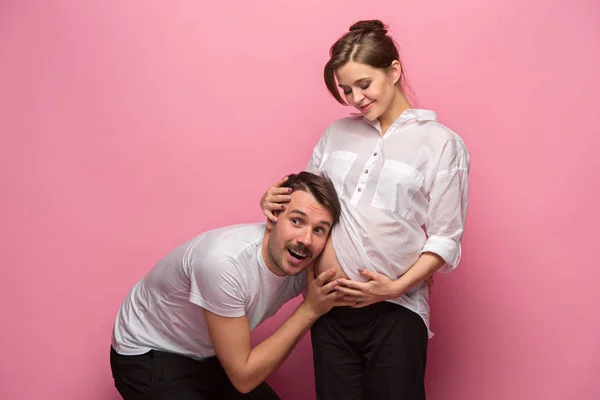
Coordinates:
[184,330]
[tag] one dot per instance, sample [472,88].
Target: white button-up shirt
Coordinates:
[402,194]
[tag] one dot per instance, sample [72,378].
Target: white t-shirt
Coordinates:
[221,270]
[401,194]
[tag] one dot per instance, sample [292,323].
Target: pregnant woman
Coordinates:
[402,180]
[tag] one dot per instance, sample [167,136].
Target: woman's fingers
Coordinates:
[270,216]
[281,181]
[279,198]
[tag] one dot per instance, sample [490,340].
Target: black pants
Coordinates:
[373,353]
[164,376]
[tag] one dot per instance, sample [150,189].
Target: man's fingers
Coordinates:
[334,294]
[352,284]
[330,286]
[325,275]
[349,292]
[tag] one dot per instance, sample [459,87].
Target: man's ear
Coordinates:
[270,224]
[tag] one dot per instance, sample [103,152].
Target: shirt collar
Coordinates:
[420,114]
[407,115]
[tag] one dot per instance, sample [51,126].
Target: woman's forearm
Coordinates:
[379,287]
[425,266]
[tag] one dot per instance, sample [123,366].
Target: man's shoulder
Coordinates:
[229,243]
[234,239]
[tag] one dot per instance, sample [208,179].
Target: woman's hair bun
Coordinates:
[369,26]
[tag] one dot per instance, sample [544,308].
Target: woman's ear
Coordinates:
[395,71]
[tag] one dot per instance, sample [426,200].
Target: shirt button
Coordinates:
[366,171]
[360,189]
[375,153]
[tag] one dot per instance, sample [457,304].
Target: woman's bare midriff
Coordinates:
[329,260]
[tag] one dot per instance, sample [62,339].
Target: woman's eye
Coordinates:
[366,86]
[347,91]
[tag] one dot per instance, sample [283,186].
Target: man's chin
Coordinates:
[293,270]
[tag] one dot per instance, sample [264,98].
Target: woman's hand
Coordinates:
[274,199]
[378,288]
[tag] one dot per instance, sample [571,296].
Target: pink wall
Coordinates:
[126,128]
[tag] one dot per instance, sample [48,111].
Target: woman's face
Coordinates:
[370,90]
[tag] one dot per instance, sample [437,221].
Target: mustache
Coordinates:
[300,248]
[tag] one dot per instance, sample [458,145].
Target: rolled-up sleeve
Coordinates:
[448,203]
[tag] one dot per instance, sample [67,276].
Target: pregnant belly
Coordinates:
[329,260]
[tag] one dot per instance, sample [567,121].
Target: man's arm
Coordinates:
[247,367]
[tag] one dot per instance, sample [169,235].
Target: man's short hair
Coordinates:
[320,187]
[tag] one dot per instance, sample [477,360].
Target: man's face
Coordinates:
[299,235]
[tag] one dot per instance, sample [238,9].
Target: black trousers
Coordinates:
[158,375]
[373,353]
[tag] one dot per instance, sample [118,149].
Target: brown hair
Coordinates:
[320,187]
[368,43]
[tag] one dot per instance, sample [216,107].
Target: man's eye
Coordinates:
[295,221]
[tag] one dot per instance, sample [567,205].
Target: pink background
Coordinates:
[127,127]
